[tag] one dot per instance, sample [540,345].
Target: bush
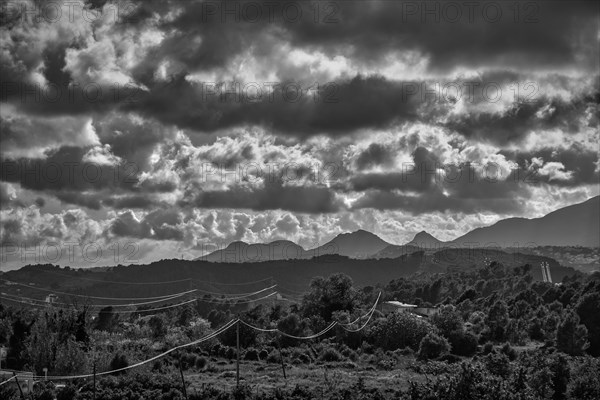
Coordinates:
[330,355]
[447,320]
[251,355]
[119,361]
[433,346]
[509,351]
[45,394]
[398,330]
[263,354]
[230,353]
[201,362]
[463,343]
[487,348]
[67,393]
[273,357]
[498,364]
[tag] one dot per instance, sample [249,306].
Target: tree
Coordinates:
[16,344]
[106,319]
[118,362]
[463,343]
[588,310]
[447,320]
[497,320]
[433,346]
[335,293]
[398,330]
[291,325]
[571,337]
[158,325]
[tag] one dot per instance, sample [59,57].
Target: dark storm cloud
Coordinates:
[465,33]
[67,175]
[417,176]
[355,103]
[521,118]
[66,169]
[437,201]
[135,201]
[374,155]
[273,196]
[158,225]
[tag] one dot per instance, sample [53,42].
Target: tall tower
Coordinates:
[545,267]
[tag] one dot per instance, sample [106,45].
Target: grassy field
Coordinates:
[264,376]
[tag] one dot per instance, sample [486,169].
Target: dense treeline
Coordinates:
[497,333]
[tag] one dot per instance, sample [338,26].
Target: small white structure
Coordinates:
[51,298]
[397,306]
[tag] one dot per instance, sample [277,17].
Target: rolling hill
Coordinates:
[575,225]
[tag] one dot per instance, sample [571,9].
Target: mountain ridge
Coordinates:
[573,225]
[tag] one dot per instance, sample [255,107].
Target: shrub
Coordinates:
[330,355]
[447,320]
[216,349]
[251,355]
[586,380]
[433,346]
[498,364]
[463,343]
[45,394]
[509,351]
[119,361]
[398,330]
[201,362]
[273,357]
[263,354]
[67,393]
[487,348]
[230,353]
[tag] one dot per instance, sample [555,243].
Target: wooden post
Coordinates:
[237,366]
[281,358]
[182,378]
[19,385]
[94,391]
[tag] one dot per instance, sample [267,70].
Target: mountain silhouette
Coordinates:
[575,225]
[425,240]
[358,244]
[240,252]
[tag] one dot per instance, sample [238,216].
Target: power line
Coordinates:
[102,305]
[98,297]
[203,339]
[213,335]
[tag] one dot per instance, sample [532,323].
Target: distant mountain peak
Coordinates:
[573,225]
[357,244]
[426,239]
[359,233]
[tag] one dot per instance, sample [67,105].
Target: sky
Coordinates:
[136,131]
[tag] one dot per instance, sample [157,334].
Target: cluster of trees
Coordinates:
[481,314]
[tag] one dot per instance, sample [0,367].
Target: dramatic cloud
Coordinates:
[177,124]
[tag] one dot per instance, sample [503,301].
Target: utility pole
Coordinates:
[182,378]
[281,358]
[94,391]
[237,366]
[19,385]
